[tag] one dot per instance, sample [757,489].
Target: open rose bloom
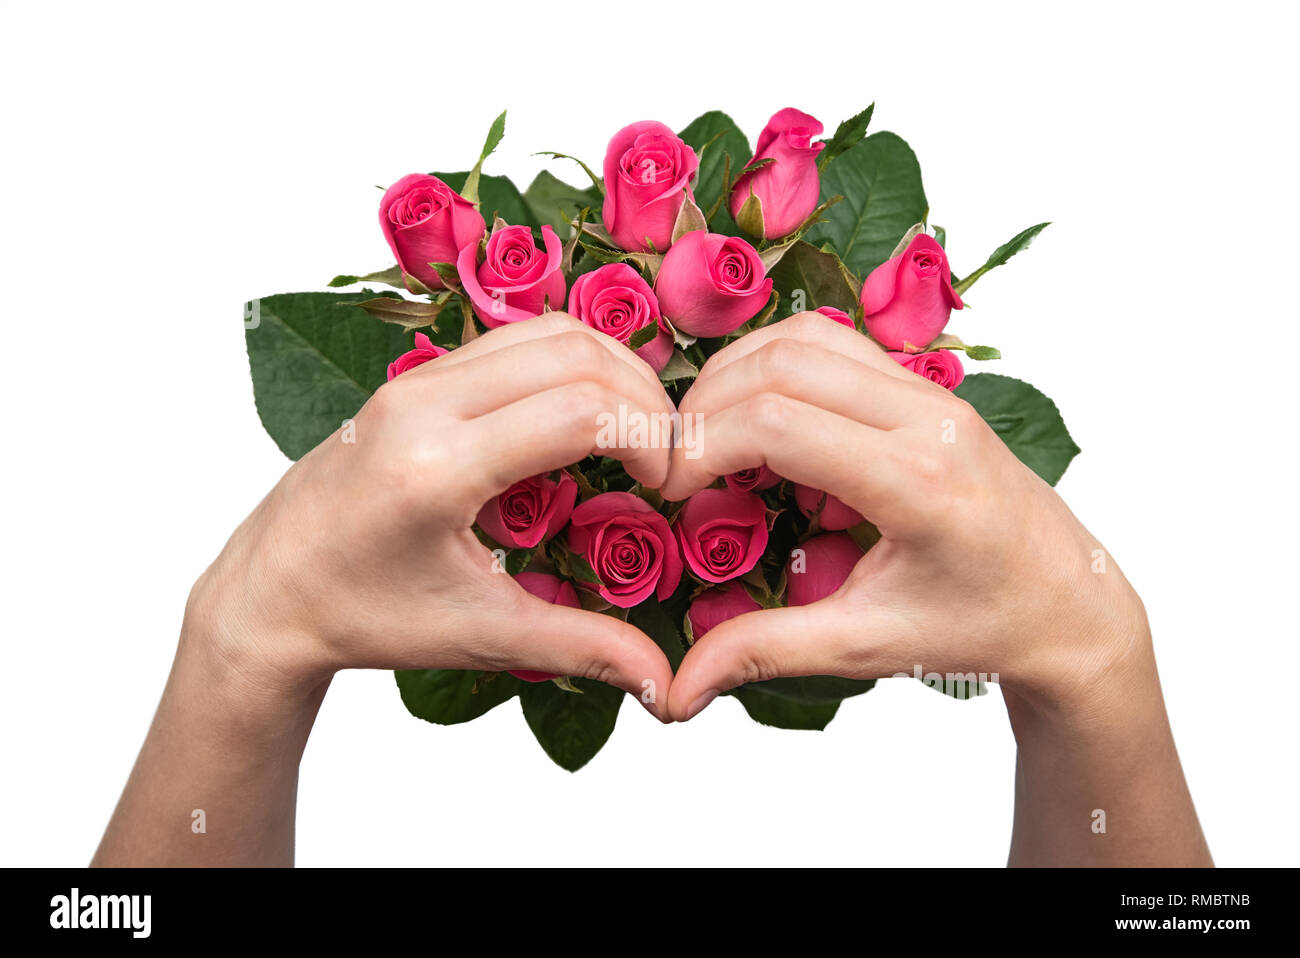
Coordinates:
[683,243]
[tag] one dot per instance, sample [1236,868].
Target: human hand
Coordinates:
[980,568]
[363,555]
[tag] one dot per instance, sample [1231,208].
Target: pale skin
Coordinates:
[363,557]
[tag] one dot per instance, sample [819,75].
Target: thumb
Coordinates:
[825,638]
[568,641]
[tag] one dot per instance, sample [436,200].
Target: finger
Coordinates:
[505,375]
[541,327]
[810,328]
[564,425]
[830,637]
[796,440]
[811,373]
[543,637]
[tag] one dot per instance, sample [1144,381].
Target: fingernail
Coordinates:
[698,705]
[653,709]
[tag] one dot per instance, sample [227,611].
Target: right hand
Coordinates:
[980,568]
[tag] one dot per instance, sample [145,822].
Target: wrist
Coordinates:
[1093,667]
[240,639]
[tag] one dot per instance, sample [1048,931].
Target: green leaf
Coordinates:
[497,197]
[453,696]
[1000,255]
[314,363]
[556,203]
[880,181]
[716,137]
[597,187]
[1026,420]
[657,620]
[807,702]
[390,277]
[496,131]
[571,728]
[820,277]
[643,336]
[848,134]
[406,313]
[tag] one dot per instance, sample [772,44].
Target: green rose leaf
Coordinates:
[452,696]
[880,181]
[315,361]
[1000,255]
[658,620]
[470,188]
[847,135]
[1026,420]
[390,277]
[807,702]
[554,202]
[570,727]
[818,275]
[497,197]
[722,147]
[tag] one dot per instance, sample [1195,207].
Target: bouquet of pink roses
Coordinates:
[684,243]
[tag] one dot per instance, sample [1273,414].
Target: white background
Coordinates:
[164,165]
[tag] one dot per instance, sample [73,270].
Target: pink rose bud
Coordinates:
[617,301]
[426,221]
[788,187]
[554,590]
[722,533]
[629,546]
[648,173]
[752,480]
[835,515]
[711,285]
[941,366]
[819,567]
[424,351]
[908,299]
[516,280]
[717,605]
[529,512]
[841,317]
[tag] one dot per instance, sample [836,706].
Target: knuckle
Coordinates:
[809,322]
[582,354]
[601,671]
[770,413]
[584,400]
[780,361]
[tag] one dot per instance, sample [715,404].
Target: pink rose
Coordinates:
[629,546]
[722,533]
[941,366]
[835,515]
[617,301]
[908,299]
[555,591]
[825,563]
[710,284]
[788,187]
[424,351]
[752,480]
[648,172]
[516,280]
[426,221]
[717,605]
[529,512]
[841,317]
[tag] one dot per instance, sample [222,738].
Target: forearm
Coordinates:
[1098,780]
[216,780]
